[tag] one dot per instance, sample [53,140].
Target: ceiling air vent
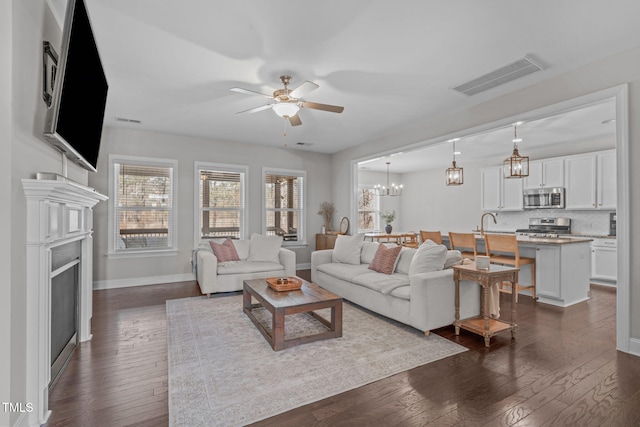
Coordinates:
[122,119]
[512,71]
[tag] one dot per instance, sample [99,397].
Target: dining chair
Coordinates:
[503,249]
[435,236]
[464,241]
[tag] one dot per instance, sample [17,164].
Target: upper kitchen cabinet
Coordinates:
[590,181]
[545,173]
[499,194]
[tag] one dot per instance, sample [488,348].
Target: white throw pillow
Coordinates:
[347,249]
[454,257]
[404,260]
[369,250]
[265,248]
[429,257]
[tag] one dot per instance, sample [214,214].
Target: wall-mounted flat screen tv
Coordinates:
[74,120]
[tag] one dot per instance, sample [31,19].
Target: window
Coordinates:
[368,210]
[142,205]
[284,204]
[221,199]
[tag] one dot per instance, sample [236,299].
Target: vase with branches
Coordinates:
[326,212]
[388,217]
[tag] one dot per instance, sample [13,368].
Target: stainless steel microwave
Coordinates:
[544,198]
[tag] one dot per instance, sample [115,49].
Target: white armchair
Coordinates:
[214,276]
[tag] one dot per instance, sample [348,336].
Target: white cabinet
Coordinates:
[604,259]
[545,173]
[548,271]
[606,180]
[499,194]
[590,181]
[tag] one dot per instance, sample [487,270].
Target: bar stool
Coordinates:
[508,244]
[435,236]
[465,241]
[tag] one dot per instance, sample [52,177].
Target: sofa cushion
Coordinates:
[404,260]
[384,283]
[454,257]
[343,271]
[385,259]
[224,252]
[429,257]
[347,249]
[368,252]
[265,248]
[403,292]
[242,267]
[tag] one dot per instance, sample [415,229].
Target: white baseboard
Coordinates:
[303,266]
[634,346]
[142,281]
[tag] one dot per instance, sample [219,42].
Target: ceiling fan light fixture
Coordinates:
[286,109]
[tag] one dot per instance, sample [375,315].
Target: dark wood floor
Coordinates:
[562,369]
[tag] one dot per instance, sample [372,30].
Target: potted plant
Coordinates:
[326,212]
[388,217]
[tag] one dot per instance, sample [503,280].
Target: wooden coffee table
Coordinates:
[309,298]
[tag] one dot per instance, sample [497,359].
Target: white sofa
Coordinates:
[214,276]
[424,301]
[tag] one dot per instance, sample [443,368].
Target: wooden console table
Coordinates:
[485,325]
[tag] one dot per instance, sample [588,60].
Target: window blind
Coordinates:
[221,203]
[284,205]
[143,207]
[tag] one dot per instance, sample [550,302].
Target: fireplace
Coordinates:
[59,281]
[65,286]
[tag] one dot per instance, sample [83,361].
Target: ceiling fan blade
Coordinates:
[249,92]
[304,88]
[295,120]
[323,107]
[256,109]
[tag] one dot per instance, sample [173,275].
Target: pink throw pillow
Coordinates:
[385,259]
[225,251]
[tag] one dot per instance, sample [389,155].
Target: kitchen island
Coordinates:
[563,267]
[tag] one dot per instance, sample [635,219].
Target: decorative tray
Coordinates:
[284,283]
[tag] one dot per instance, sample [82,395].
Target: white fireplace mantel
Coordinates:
[58,212]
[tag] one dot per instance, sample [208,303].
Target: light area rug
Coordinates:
[222,372]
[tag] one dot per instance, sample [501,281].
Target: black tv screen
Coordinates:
[75,117]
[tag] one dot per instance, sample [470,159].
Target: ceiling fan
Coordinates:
[288,102]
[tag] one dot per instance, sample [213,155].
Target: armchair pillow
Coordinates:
[385,259]
[429,257]
[265,248]
[225,251]
[347,249]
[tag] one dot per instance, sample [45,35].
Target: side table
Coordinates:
[484,325]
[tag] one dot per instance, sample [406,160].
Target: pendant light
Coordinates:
[516,166]
[388,190]
[455,175]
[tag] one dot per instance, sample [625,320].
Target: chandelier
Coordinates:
[454,174]
[388,190]
[516,166]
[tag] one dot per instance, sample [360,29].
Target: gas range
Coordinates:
[546,227]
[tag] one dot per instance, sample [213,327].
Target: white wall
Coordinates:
[5,210]
[613,71]
[30,22]
[109,272]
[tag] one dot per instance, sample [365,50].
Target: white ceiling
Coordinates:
[590,128]
[170,64]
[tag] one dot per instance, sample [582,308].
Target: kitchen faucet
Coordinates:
[482,221]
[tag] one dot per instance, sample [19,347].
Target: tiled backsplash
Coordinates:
[582,222]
